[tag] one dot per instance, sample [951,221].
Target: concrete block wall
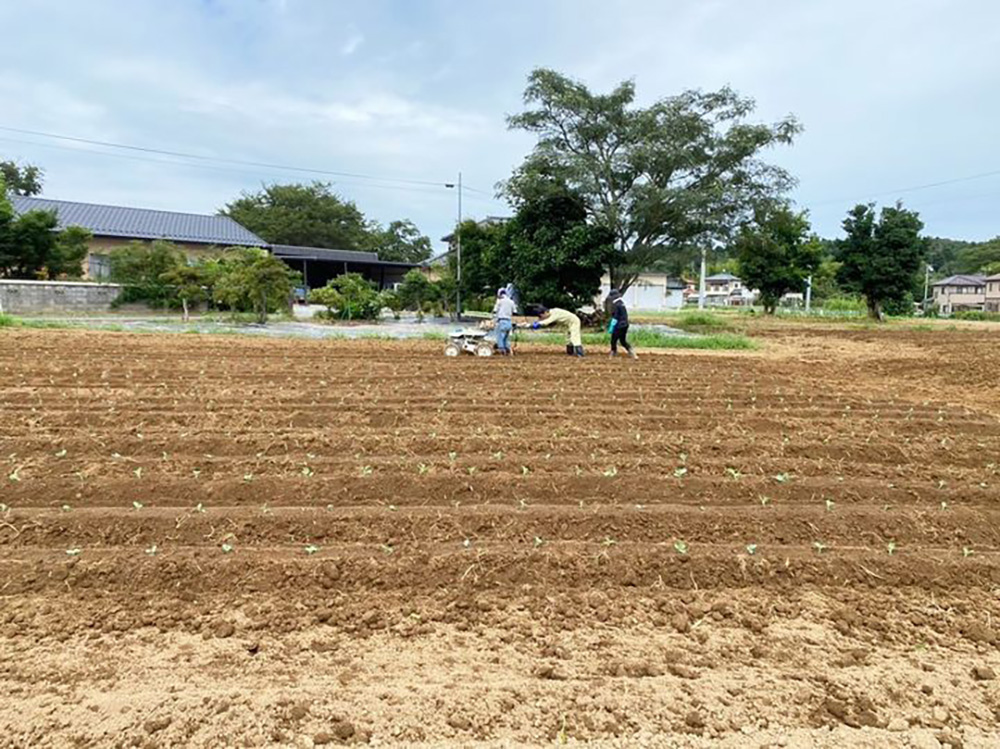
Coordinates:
[33,297]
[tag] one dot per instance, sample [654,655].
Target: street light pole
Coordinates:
[458,254]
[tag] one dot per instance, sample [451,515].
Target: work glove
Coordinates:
[536,325]
[611,325]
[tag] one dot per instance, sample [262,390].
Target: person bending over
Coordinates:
[564,319]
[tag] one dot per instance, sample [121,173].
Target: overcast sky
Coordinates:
[893,94]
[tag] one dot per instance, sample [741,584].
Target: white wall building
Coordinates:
[651,292]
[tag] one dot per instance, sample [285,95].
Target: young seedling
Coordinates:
[751,549]
[422,468]
[829,504]
[387,548]
[199,507]
[611,472]
[61,453]
[736,475]
[74,552]
[367,470]
[14,475]
[782,478]
[525,470]
[819,546]
[471,470]
[65,508]
[151,551]
[466,543]
[944,505]
[307,471]
[764,501]
[311,549]
[538,541]
[137,505]
[227,548]
[248,477]
[680,473]
[4,507]
[452,456]
[608,541]
[138,472]
[891,548]
[967,552]
[680,547]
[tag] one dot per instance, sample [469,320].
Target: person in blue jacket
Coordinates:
[618,326]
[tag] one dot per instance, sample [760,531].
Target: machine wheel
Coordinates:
[484,349]
[452,349]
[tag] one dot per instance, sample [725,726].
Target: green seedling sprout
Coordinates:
[525,470]
[199,507]
[14,475]
[819,546]
[736,475]
[367,470]
[608,541]
[387,548]
[538,541]
[680,473]
[137,505]
[311,549]
[944,505]
[61,453]
[611,472]
[751,549]
[226,548]
[891,548]
[65,508]
[307,471]
[248,477]
[782,478]
[829,504]
[151,551]
[466,543]
[680,547]
[422,468]
[764,501]
[138,472]
[967,552]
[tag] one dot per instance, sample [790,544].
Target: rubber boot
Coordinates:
[614,354]
[569,349]
[632,354]
[578,351]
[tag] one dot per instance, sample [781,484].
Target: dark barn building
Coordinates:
[319,265]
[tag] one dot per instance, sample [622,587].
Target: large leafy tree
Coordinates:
[255,280]
[682,171]
[401,241]
[776,253]
[983,257]
[555,257]
[21,180]
[305,215]
[881,256]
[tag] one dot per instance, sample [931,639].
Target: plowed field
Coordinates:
[215,541]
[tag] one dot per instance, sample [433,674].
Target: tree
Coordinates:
[775,253]
[553,255]
[416,291]
[305,215]
[71,248]
[979,258]
[680,172]
[255,280]
[483,266]
[141,268]
[188,284]
[400,242]
[21,180]
[881,259]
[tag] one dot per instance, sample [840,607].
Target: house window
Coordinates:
[99,266]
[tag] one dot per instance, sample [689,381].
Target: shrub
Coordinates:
[845,304]
[348,297]
[977,315]
[700,321]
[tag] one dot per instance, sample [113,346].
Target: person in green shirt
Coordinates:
[564,319]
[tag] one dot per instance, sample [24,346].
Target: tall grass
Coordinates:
[7,321]
[655,339]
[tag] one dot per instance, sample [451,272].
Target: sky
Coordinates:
[893,95]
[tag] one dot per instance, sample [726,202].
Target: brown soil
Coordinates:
[222,541]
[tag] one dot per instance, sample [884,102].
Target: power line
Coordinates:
[915,188]
[199,157]
[406,188]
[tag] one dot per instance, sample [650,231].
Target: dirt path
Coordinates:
[232,541]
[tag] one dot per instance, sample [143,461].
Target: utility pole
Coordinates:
[927,282]
[701,280]
[809,294]
[458,255]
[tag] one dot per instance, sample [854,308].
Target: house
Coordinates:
[650,292]
[993,294]
[959,293]
[114,226]
[725,290]
[197,235]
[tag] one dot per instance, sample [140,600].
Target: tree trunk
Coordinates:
[875,310]
[262,308]
[184,305]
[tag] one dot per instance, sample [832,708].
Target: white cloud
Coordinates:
[354,41]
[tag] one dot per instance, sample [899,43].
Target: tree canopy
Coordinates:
[31,248]
[776,253]
[21,180]
[881,256]
[314,216]
[684,170]
[401,241]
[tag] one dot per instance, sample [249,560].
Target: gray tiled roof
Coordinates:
[143,223]
[962,280]
[723,277]
[294,252]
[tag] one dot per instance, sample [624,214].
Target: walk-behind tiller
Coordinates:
[478,341]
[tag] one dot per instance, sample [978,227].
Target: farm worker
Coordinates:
[618,326]
[503,314]
[566,319]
